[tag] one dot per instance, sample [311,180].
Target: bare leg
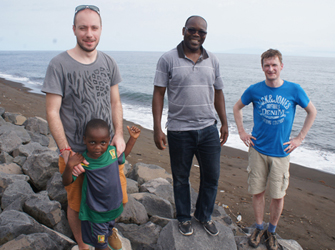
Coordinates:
[258,203]
[75,225]
[276,208]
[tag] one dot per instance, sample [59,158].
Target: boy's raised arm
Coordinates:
[134,133]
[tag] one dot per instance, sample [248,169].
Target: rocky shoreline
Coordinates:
[33,200]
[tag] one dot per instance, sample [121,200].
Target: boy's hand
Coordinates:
[134,131]
[74,162]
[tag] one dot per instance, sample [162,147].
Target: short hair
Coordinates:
[188,19]
[96,124]
[271,53]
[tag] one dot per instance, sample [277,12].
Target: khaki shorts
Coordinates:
[74,189]
[263,169]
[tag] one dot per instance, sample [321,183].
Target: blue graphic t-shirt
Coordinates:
[274,111]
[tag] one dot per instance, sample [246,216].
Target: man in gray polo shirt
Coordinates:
[191,76]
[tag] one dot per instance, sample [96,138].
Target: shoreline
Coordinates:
[309,204]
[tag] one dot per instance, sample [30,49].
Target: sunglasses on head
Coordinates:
[83,7]
[192,31]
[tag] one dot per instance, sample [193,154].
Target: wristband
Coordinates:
[65,149]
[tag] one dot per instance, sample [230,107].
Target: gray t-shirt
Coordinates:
[85,91]
[190,88]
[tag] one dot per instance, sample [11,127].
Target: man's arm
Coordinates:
[157,110]
[309,120]
[220,107]
[238,116]
[53,104]
[117,116]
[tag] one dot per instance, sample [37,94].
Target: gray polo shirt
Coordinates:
[190,88]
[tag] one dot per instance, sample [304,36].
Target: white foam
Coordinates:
[14,78]
[315,159]
[34,86]
[141,115]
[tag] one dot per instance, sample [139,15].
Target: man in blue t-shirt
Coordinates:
[274,102]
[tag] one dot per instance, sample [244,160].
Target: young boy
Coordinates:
[101,201]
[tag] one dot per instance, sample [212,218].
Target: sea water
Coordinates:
[316,75]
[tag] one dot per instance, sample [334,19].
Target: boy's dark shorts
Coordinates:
[96,234]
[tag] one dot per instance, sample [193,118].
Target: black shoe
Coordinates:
[185,228]
[271,241]
[256,237]
[210,228]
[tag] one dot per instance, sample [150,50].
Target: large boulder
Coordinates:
[132,186]
[43,210]
[171,239]
[17,191]
[56,190]
[29,149]
[141,237]
[18,130]
[134,212]
[31,241]
[155,205]
[160,187]
[37,125]
[14,223]
[41,167]
[39,138]
[9,140]
[7,179]
[144,172]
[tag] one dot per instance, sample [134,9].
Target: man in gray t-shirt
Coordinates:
[85,92]
[191,77]
[82,84]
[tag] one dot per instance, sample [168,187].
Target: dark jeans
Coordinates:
[205,145]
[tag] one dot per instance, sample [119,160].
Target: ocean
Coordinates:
[315,74]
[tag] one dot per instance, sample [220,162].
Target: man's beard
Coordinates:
[86,49]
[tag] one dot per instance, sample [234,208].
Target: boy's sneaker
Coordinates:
[256,237]
[271,241]
[210,227]
[114,242]
[185,228]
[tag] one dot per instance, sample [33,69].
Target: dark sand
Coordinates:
[308,215]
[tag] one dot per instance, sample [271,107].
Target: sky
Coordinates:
[295,27]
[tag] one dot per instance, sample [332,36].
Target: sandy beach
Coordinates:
[308,215]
